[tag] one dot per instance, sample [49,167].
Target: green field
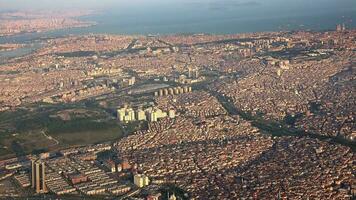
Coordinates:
[43,127]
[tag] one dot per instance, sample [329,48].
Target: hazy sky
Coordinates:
[213,4]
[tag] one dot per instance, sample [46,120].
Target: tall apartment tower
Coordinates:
[190,72]
[38,176]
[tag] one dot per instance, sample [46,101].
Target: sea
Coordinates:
[191,17]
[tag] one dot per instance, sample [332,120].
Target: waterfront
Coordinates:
[4,55]
[164,23]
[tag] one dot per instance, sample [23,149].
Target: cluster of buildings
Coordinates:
[193,166]
[53,73]
[308,167]
[88,43]
[72,175]
[195,104]
[85,93]
[290,95]
[193,73]
[276,90]
[242,51]
[283,64]
[11,27]
[104,71]
[173,91]
[151,114]
[129,81]
[191,77]
[205,151]
[23,180]
[185,130]
[341,27]
[141,180]
[244,165]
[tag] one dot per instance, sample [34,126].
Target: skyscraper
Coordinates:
[190,72]
[171,113]
[140,115]
[196,74]
[38,176]
[141,180]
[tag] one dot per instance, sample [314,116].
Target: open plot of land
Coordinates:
[20,143]
[52,127]
[80,133]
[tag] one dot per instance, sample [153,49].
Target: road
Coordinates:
[50,138]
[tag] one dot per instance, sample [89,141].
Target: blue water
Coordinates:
[4,55]
[222,25]
[215,17]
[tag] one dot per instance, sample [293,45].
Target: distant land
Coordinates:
[162,23]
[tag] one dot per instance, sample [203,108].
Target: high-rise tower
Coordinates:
[38,176]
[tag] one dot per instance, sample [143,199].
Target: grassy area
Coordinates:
[77,54]
[30,130]
[32,141]
[87,133]
[25,142]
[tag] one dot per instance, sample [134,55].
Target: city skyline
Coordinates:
[177,99]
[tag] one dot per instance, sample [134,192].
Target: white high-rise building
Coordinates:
[121,114]
[141,116]
[141,180]
[171,113]
[131,113]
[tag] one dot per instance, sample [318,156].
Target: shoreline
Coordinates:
[53,34]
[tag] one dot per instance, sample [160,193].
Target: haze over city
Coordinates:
[177,99]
